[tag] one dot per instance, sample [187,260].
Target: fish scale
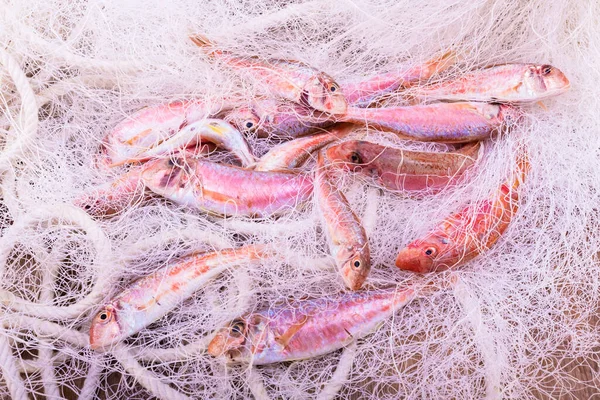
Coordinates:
[307,328]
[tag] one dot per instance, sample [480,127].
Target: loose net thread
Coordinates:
[512,323]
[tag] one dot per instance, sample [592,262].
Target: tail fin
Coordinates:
[205,44]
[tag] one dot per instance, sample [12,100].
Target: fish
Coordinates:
[127,189]
[114,197]
[149,298]
[440,122]
[293,154]
[226,190]
[287,79]
[402,170]
[346,236]
[306,328]
[151,125]
[363,92]
[509,83]
[464,235]
[215,131]
[276,118]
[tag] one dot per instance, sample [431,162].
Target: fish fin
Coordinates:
[284,339]
[539,103]
[349,334]
[205,44]
[137,137]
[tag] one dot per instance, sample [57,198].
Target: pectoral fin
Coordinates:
[284,339]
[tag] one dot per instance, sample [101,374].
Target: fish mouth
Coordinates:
[408,262]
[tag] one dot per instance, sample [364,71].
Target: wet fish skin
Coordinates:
[402,170]
[278,119]
[151,125]
[509,83]
[226,190]
[347,238]
[293,154]
[363,92]
[286,79]
[306,328]
[464,235]
[439,122]
[216,131]
[149,298]
[126,190]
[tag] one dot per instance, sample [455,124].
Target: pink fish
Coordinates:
[153,296]
[216,131]
[464,235]
[347,239]
[363,92]
[510,83]
[226,190]
[150,126]
[403,170]
[306,328]
[440,122]
[128,189]
[277,118]
[285,79]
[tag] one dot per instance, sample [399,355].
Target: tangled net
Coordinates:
[518,322]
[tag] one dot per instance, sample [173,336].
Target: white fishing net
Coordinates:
[518,322]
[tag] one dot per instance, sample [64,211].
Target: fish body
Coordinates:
[152,125]
[464,235]
[277,118]
[440,122]
[347,238]
[285,79]
[306,328]
[293,154]
[361,93]
[151,297]
[215,131]
[403,170]
[226,190]
[510,83]
[114,197]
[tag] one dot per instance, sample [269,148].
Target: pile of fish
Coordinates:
[313,117]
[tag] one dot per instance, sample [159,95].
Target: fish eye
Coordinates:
[249,125]
[546,69]
[333,87]
[355,158]
[237,329]
[356,263]
[430,251]
[104,315]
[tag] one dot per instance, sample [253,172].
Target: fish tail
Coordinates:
[205,44]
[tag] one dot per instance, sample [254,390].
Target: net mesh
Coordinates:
[516,322]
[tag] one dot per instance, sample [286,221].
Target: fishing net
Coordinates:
[517,322]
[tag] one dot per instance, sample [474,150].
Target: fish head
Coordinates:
[245,118]
[105,328]
[355,156]
[231,341]
[355,266]
[545,81]
[169,175]
[423,256]
[324,94]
